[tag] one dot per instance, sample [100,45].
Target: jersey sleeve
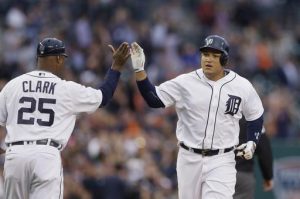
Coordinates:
[3,110]
[169,92]
[84,99]
[253,107]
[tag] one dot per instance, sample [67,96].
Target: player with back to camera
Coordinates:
[209,103]
[39,111]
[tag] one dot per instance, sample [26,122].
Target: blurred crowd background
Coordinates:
[126,150]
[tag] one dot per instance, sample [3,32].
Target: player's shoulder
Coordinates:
[187,75]
[180,81]
[40,74]
[11,83]
[240,80]
[36,75]
[76,87]
[242,84]
[72,84]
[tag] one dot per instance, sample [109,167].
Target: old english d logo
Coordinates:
[233,104]
[208,42]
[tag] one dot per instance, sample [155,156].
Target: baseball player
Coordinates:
[209,103]
[39,110]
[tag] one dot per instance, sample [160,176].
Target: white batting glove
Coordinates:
[137,57]
[246,150]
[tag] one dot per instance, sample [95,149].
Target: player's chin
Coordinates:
[208,70]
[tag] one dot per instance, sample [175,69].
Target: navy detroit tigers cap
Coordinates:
[51,47]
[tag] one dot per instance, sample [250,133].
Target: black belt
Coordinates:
[38,142]
[206,152]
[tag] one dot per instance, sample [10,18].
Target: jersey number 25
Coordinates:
[32,108]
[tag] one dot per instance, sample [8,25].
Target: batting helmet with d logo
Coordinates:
[218,43]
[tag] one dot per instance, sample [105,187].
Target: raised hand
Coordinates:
[137,57]
[120,55]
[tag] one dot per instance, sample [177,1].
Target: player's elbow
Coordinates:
[106,97]
[153,100]
[155,105]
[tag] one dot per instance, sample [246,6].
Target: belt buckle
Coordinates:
[204,152]
[31,142]
[191,149]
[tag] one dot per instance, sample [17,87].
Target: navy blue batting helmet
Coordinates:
[51,47]
[218,43]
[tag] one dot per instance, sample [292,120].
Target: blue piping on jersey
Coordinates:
[212,91]
[212,139]
[208,110]
[39,76]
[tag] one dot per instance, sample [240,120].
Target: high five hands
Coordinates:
[137,57]
[120,55]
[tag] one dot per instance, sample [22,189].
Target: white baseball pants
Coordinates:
[205,177]
[33,172]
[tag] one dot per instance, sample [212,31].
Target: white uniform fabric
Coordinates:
[44,95]
[201,177]
[33,172]
[208,118]
[208,111]
[34,106]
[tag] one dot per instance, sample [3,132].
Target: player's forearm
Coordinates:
[109,85]
[254,129]
[147,90]
[265,157]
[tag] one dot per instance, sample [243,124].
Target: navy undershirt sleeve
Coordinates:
[254,129]
[109,85]
[149,94]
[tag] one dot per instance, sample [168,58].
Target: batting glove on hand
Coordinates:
[246,150]
[137,57]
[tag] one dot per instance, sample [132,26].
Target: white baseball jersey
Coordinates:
[39,105]
[209,111]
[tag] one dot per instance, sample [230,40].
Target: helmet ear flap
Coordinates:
[223,59]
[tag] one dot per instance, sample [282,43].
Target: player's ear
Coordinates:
[59,59]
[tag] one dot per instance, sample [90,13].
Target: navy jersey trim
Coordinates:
[39,76]
[208,109]
[212,139]
[198,74]
[212,91]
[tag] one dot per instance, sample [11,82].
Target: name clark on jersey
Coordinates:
[41,86]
